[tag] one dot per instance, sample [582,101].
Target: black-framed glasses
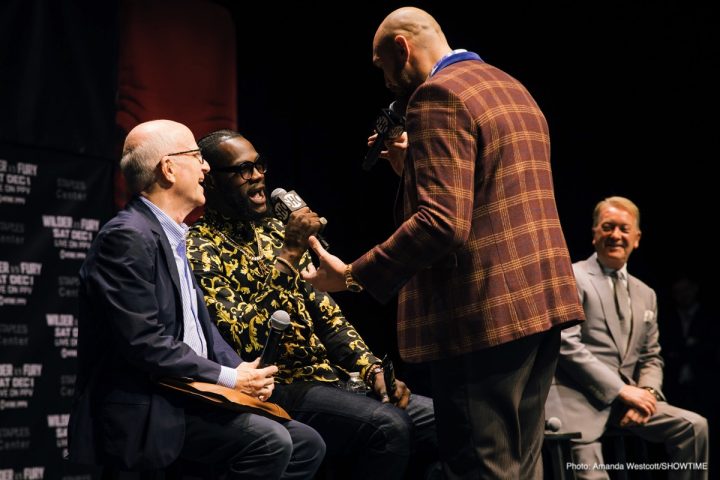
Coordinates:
[245,169]
[195,152]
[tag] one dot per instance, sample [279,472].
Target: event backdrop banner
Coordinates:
[52,205]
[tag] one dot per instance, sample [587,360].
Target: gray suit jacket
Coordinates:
[591,368]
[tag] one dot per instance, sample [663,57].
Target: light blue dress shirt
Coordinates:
[193,335]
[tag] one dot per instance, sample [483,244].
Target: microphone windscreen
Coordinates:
[280,320]
[277,194]
[553,424]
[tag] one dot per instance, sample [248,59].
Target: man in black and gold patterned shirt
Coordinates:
[248,264]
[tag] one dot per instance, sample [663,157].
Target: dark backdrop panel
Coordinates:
[629,90]
[51,207]
[57,74]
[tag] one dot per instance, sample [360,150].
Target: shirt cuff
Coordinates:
[228,377]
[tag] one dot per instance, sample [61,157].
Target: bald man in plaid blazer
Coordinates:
[480,261]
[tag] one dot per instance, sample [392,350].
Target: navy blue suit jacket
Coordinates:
[130,335]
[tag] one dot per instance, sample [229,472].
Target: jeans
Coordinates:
[249,446]
[370,439]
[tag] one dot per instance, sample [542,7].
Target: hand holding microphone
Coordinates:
[390,124]
[256,378]
[300,226]
[395,153]
[388,388]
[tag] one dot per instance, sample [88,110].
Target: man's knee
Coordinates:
[278,443]
[699,425]
[692,424]
[394,429]
[307,444]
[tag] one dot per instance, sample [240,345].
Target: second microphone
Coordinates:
[279,322]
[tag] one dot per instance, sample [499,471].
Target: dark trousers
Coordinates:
[248,446]
[366,439]
[489,407]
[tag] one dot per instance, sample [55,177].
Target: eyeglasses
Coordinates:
[245,169]
[194,152]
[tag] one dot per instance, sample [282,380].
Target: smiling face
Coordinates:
[615,235]
[246,198]
[190,168]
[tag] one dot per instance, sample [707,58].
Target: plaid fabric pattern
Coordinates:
[480,258]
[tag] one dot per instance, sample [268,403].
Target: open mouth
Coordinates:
[257,196]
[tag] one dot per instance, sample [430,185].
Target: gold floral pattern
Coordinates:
[241,293]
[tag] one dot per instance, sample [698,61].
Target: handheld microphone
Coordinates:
[553,424]
[279,322]
[389,124]
[284,203]
[389,377]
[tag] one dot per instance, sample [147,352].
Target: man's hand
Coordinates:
[301,225]
[256,382]
[401,394]
[330,275]
[396,151]
[638,398]
[634,417]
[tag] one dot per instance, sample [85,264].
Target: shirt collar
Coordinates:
[175,232]
[622,272]
[457,55]
[238,229]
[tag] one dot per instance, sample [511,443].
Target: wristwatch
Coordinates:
[350,282]
[653,392]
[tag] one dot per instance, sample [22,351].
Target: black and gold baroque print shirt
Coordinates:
[242,291]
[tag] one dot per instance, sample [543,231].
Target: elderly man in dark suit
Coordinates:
[480,261]
[142,318]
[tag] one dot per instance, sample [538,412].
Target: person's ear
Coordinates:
[402,47]
[637,239]
[166,172]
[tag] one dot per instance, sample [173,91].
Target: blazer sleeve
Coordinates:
[121,276]
[579,363]
[443,149]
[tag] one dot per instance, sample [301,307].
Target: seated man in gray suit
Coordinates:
[610,370]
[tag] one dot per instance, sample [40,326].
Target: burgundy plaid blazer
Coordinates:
[480,258]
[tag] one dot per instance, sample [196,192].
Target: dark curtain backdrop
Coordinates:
[629,90]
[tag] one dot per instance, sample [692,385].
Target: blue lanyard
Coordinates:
[455,56]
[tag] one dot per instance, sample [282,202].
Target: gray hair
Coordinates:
[139,160]
[617,202]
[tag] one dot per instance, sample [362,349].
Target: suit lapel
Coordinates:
[607,300]
[637,312]
[204,318]
[155,226]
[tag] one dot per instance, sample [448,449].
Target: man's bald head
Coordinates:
[406,46]
[415,24]
[144,147]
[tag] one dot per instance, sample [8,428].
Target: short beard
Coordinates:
[244,212]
